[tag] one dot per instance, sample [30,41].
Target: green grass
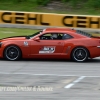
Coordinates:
[88,7]
[23,6]
[7,32]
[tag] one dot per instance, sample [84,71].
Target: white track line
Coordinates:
[35,74]
[74,82]
[43,74]
[67,86]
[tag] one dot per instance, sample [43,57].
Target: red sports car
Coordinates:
[53,43]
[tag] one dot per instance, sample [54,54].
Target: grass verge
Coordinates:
[7,32]
[83,7]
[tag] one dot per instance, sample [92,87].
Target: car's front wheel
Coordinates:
[12,53]
[80,54]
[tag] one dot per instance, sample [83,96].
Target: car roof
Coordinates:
[63,30]
[59,29]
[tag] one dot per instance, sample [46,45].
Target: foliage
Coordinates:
[93,3]
[42,2]
[69,6]
[90,3]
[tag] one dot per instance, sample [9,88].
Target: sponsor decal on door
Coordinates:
[47,49]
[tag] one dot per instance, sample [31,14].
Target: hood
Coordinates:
[14,38]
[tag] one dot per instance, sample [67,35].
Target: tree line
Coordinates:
[89,3]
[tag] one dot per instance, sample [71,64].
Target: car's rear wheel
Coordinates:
[80,54]
[12,53]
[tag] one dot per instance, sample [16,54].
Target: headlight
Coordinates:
[0,44]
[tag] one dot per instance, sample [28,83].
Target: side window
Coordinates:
[46,36]
[66,36]
[55,36]
[51,36]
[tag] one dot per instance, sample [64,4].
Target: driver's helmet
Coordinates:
[54,35]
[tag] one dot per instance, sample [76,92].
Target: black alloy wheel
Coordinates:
[80,54]
[12,53]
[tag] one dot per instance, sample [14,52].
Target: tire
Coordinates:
[12,53]
[80,54]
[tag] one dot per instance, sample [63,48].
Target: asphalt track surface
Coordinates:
[50,80]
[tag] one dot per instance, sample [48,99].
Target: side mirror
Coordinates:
[37,39]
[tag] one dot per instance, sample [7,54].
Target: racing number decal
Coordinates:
[25,43]
[47,49]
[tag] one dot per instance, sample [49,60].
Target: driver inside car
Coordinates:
[54,36]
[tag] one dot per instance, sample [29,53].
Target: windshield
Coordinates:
[83,33]
[30,36]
